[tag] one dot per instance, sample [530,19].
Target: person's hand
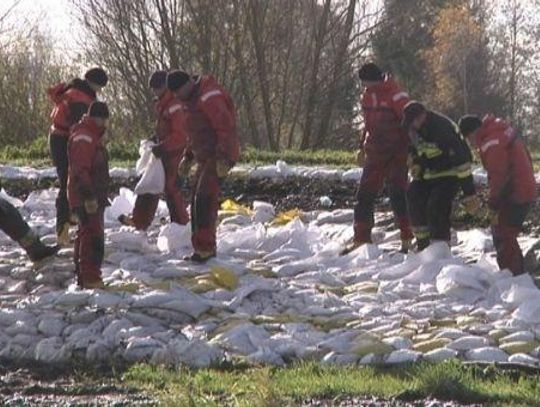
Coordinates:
[223,166]
[184,167]
[361,157]
[416,171]
[91,206]
[158,150]
[493,217]
[472,204]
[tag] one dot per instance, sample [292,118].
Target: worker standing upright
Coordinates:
[383,154]
[71,100]
[512,186]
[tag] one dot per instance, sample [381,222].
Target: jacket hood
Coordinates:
[81,85]
[388,85]
[490,125]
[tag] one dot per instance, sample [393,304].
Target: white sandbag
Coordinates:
[73,298]
[468,342]
[466,283]
[99,351]
[153,175]
[145,154]
[17,203]
[403,356]
[263,212]
[475,240]
[51,327]
[179,299]
[340,359]
[523,336]
[528,311]
[122,204]
[174,237]
[139,349]
[50,350]
[486,354]
[266,356]
[194,353]
[440,355]
[435,251]
[525,359]
[244,339]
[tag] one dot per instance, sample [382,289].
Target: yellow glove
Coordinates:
[493,217]
[472,204]
[91,206]
[184,167]
[361,157]
[223,167]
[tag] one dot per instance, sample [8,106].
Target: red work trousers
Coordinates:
[204,208]
[505,233]
[89,246]
[146,204]
[380,169]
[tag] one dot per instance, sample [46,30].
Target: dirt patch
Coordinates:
[41,385]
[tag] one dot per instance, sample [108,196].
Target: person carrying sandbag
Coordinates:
[168,146]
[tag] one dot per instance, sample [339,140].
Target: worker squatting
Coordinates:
[421,156]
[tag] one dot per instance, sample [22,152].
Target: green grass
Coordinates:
[265,386]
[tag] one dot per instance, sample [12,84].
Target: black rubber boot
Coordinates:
[37,251]
[200,258]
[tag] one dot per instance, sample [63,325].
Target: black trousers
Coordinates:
[430,207]
[11,221]
[58,145]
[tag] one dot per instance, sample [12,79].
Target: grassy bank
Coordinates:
[126,154]
[289,386]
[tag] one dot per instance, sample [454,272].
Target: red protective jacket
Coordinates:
[382,107]
[71,101]
[88,175]
[170,128]
[211,123]
[507,162]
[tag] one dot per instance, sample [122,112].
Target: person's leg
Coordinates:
[91,250]
[173,193]
[13,225]
[397,183]
[439,208]
[58,146]
[143,211]
[505,234]
[371,183]
[417,199]
[205,207]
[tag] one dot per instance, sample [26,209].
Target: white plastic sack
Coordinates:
[153,173]
[173,237]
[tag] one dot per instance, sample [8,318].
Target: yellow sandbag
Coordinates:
[366,344]
[224,277]
[519,347]
[432,344]
[465,320]
[422,337]
[203,285]
[285,217]
[234,208]
[402,332]
[443,323]
[496,334]
[368,287]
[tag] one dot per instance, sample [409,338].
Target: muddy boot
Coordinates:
[351,247]
[202,257]
[126,220]
[421,244]
[37,251]
[62,235]
[91,284]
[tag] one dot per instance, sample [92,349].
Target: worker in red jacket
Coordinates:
[383,154]
[210,122]
[171,139]
[71,100]
[88,180]
[512,186]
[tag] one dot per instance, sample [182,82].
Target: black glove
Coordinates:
[158,150]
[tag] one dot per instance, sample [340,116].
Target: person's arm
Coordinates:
[221,116]
[175,139]
[76,112]
[495,159]
[81,153]
[399,100]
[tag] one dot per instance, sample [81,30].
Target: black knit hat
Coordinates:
[469,123]
[97,76]
[371,72]
[158,79]
[411,111]
[98,109]
[176,79]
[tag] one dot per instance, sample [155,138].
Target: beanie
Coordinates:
[176,79]
[97,76]
[158,79]
[371,72]
[469,123]
[411,111]
[98,110]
